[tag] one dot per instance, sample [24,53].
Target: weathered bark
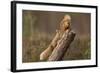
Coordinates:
[62,46]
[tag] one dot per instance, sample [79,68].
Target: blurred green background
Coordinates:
[39,28]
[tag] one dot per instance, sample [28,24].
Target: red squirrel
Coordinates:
[64,25]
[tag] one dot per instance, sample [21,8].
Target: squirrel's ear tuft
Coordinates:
[67,17]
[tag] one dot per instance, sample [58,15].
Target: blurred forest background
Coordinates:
[39,28]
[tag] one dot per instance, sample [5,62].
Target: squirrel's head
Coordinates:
[67,18]
[66,22]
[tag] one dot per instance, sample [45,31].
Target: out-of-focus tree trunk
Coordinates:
[32,20]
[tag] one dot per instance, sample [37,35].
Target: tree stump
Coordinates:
[62,46]
[60,42]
